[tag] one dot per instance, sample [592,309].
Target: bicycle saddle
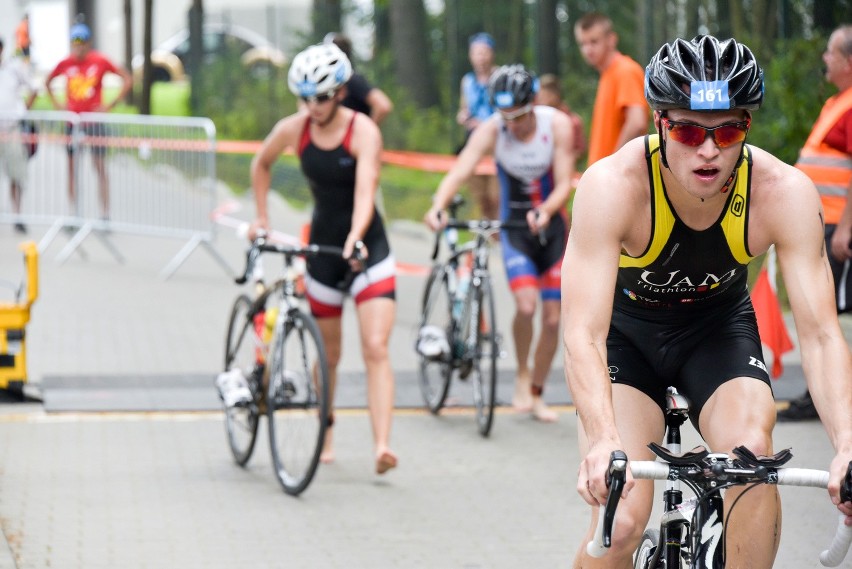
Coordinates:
[691,457]
[750,459]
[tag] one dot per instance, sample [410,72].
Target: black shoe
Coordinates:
[20,228]
[801,409]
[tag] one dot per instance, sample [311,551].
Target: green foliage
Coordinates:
[795,91]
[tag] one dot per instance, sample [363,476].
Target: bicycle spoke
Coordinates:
[485,362]
[436,368]
[241,422]
[297,402]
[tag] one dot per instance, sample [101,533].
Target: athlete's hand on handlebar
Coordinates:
[355,252]
[258,228]
[840,485]
[435,218]
[593,474]
[538,220]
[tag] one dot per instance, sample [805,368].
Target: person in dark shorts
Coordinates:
[654,289]
[532,146]
[84,72]
[339,151]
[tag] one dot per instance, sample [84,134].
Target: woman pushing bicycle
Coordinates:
[339,151]
[655,294]
[532,147]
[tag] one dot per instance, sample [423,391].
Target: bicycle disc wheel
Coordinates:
[297,401]
[241,421]
[435,371]
[485,363]
[647,547]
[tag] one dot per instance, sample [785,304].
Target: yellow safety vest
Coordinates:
[830,169]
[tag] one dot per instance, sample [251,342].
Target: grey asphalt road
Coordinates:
[128,466]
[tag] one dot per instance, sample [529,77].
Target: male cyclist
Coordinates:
[654,288]
[525,140]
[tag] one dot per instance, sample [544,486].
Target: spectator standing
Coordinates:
[22,38]
[84,72]
[827,160]
[361,95]
[474,108]
[14,77]
[550,94]
[621,112]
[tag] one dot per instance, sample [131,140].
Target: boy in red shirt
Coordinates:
[84,71]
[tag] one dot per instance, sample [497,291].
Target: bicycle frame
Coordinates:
[676,525]
[694,531]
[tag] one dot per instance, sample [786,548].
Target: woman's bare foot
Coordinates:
[541,412]
[327,454]
[385,460]
[522,400]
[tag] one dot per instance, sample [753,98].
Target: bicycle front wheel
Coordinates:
[297,401]
[485,361]
[436,368]
[240,354]
[647,547]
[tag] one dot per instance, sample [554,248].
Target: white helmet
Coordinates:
[318,69]
[432,342]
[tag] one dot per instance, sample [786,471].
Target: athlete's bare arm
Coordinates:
[366,147]
[787,212]
[285,134]
[611,197]
[564,161]
[480,143]
[636,121]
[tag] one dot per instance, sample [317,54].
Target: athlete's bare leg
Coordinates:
[330,329]
[522,331]
[375,319]
[103,183]
[632,412]
[548,340]
[754,529]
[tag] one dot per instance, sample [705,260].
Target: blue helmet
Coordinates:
[511,86]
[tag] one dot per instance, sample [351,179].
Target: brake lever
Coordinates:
[616,479]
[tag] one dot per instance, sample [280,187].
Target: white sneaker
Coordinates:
[233,388]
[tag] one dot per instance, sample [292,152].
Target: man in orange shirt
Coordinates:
[621,112]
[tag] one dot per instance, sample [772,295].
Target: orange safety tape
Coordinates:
[440,163]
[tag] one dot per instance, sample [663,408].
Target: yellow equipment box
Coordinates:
[13,320]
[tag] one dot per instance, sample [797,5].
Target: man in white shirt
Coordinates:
[13,158]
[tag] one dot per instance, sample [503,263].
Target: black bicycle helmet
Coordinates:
[511,86]
[704,74]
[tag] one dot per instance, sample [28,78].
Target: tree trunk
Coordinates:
[147,69]
[548,38]
[326,17]
[128,44]
[196,52]
[411,51]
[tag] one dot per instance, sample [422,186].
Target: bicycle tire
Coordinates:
[647,546]
[297,402]
[435,373]
[241,422]
[484,380]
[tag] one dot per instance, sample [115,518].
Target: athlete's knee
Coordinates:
[550,322]
[374,347]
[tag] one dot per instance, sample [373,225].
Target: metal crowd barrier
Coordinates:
[134,174]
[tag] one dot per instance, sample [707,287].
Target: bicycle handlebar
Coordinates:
[261,245]
[738,473]
[484,226]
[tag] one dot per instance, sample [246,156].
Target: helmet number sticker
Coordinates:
[503,99]
[709,96]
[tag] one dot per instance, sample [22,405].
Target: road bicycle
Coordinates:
[458,333]
[692,532]
[276,346]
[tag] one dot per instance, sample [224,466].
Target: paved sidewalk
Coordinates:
[159,489]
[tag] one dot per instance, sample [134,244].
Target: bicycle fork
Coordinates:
[706,551]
